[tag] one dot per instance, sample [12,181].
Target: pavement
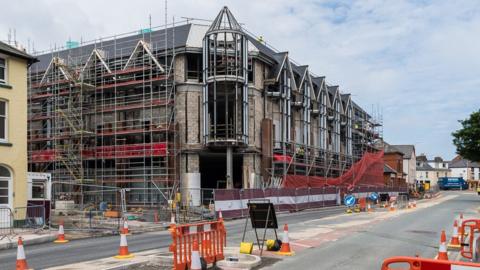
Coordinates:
[9,242]
[321,239]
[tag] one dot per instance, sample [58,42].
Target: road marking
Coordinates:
[300,245]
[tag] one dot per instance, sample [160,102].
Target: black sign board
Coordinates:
[262,215]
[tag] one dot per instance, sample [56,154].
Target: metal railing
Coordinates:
[30,218]
[6,222]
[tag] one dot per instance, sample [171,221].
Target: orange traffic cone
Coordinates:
[454,241]
[125,227]
[61,235]
[442,249]
[285,248]
[220,216]
[461,230]
[172,219]
[195,263]
[123,252]
[392,207]
[21,259]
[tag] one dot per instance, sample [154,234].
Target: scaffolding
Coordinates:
[317,130]
[103,114]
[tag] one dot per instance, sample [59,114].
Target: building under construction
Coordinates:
[188,106]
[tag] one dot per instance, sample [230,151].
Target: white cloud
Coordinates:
[418,59]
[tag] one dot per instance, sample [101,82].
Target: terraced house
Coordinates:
[190,106]
[13,126]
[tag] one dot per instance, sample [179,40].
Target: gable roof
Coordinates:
[12,51]
[424,166]
[406,149]
[463,163]
[387,148]
[280,58]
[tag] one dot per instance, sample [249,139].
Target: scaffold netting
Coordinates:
[368,171]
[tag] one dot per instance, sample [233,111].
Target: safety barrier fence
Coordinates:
[21,219]
[233,202]
[416,263]
[210,236]
[29,218]
[88,207]
[6,222]
[469,227]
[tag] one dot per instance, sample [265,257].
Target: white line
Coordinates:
[300,245]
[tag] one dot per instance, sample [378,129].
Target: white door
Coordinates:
[5,197]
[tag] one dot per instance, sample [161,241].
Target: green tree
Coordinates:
[467,139]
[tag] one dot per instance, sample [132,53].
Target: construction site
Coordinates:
[189,107]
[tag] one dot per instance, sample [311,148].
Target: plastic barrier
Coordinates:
[233,202]
[211,237]
[474,226]
[416,263]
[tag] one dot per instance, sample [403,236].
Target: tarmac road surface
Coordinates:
[321,239]
[46,255]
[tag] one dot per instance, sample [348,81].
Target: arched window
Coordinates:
[5,179]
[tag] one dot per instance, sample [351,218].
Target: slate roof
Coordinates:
[391,149]
[332,89]
[407,149]
[9,50]
[463,163]
[424,166]
[122,46]
[178,38]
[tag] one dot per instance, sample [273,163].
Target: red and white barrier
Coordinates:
[233,202]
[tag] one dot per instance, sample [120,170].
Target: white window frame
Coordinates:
[6,69]
[6,121]
[9,187]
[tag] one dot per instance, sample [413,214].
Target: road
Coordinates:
[325,239]
[366,246]
[48,255]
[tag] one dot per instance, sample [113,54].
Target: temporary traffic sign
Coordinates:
[349,200]
[373,196]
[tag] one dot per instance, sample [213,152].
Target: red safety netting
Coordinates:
[367,171]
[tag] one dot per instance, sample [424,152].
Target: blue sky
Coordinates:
[417,60]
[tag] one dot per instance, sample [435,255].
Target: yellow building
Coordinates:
[13,126]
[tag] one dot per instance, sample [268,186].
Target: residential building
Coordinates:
[409,162]
[467,169]
[393,168]
[190,106]
[13,126]
[428,171]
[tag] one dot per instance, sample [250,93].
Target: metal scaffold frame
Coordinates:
[103,113]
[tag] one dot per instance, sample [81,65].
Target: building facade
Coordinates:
[409,162]
[190,106]
[13,126]
[470,171]
[428,171]
[393,172]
